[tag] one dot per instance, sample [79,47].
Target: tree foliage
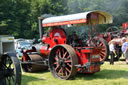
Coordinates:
[20,17]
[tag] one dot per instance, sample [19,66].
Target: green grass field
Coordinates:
[116,74]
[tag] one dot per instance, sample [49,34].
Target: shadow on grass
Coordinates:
[26,78]
[122,59]
[115,60]
[104,74]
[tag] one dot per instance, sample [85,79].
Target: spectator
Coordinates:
[124,49]
[112,51]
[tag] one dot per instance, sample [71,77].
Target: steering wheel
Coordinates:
[113,30]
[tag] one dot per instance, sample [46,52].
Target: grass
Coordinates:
[116,74]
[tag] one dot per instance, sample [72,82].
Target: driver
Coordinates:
[75,36]
[74,39]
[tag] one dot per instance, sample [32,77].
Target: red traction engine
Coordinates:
[64,55]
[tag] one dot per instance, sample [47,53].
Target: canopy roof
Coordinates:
[91,17]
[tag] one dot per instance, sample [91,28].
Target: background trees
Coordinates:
[20,17]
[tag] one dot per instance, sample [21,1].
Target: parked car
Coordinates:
[21,44]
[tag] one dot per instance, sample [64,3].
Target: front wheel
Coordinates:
[62,61]
[10,71]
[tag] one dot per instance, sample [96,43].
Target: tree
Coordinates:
[20,17]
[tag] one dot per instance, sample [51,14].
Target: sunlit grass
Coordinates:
[116,74]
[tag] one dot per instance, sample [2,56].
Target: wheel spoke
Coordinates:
[103,49]
[66,73]
[7,63]
[56,63]
[102,55]
[65,54]
[56,67]
[59,54]
[69,65]
[101,44]
[59,71]
[13,78]
[56,58]
[67,58]
[10,65]
[67,69]
[9,81]
[68,61]
[62,72]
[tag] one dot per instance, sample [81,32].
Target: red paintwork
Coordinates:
[124,25]
[56,33]
[85,55]
[25,56]
[44,50]
[106,36]
[58,36]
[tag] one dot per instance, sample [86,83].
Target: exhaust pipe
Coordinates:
[41,30]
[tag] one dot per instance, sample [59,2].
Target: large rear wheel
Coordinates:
[104,53]
[10,71]
[62,61]
[113,30]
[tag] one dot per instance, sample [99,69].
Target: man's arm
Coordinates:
[126,50]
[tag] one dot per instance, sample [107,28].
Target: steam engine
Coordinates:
[52,44]
[64,55]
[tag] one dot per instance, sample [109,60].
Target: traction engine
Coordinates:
[66,55]
[115,34]
[10,71]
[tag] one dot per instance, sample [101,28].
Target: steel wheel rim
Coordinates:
[105,50]
[112,29]
[61,63]
[102,52]
[9,77]
[11,70]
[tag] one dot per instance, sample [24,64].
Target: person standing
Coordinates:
[112,51]
[124,49]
